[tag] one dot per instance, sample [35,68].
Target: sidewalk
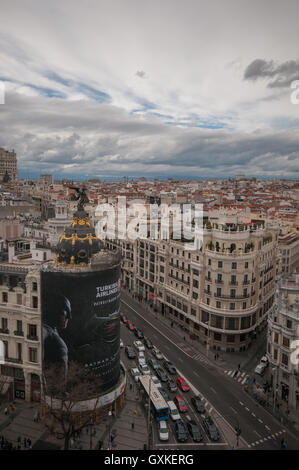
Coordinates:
[224,361]
[129,428]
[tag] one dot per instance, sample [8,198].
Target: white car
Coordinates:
[264,360]
[260,369]
[174,412]
[141,356]
[135,373]
[163,431]
[156,381]
[139,346]
[144,368]
[158,355]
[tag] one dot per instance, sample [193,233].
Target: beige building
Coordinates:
[220,294]
[20,332]
[283,330]
[289,253]
[8,164]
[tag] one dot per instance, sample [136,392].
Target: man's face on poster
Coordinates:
[63,314]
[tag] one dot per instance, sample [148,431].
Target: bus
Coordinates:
[159,407]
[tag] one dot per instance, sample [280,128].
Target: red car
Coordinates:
[182,384]
[181,405]
[131,326]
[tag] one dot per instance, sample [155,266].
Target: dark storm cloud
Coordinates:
[81,137]
[278,75]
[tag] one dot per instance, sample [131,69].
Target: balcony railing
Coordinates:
[237,297]
[32,337]
[217,281]
[18,333]
[4,331]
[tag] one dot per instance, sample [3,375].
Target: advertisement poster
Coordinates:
[80,322]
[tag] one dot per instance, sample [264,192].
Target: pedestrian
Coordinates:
[6,411]
[239,366]
[100,443]
[25,442]
[253,380]
[236,373]
[215,357]
[132,425]
[29,443]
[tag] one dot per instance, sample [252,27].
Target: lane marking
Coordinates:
[267,427]
[246,408]
[253,415]
[213,390]
[257,433]
[233,410]
[260,420]
[241,403]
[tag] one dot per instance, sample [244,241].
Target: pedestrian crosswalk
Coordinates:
[201,358]
[237,375]
[267,438]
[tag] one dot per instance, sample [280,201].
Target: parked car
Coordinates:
[194,431]
[172,386]
[169,367]
[157,354]
[174,412]
[131,326]
[141,356]
[153,363]
[161,374]
[180,403]
[135,373]
[156,381]
[181,431]
[198,404]
[139,345]
[163,431]
[130,352]
[138,333]
[144,368]
[164,394]
[264,360]
[182,384]
[211,428]
[260,369]
[148,343]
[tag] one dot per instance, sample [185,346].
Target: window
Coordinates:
[219,277]
[289,324]
[195,272]
[233,279]
[234,265]
[195,283]
[284,359]
[232,306]
[246,264]
[34,286]
[219,264]
[32,355]
[233,293]
[244,305]
[217,336]
[193,312]
[32,331]
[276,338]
[275,354]
[230,338]
[286,342]
[195,295]
[4,297]
[19,351]
[209,262]
[218,304]
[34,301]
[19,299]
[4,323]
[19,326]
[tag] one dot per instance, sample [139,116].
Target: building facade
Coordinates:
[20,369]
[283,330]
[220,294]
[8,165]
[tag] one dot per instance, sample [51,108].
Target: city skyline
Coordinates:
[153,90]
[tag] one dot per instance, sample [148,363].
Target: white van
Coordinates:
[173,411]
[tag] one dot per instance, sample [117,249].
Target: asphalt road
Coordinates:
[260,430]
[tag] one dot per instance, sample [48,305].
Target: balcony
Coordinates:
[13,360]
[233,283]
[18,333]
[217,281]
[228,297]
[245,283]
[32,338]
[4,331]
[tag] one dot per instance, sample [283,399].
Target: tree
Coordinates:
[62,399]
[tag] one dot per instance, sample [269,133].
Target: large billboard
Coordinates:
[80,322]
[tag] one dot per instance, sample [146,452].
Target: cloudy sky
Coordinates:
[152,88]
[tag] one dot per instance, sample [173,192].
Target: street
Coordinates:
[227,402]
